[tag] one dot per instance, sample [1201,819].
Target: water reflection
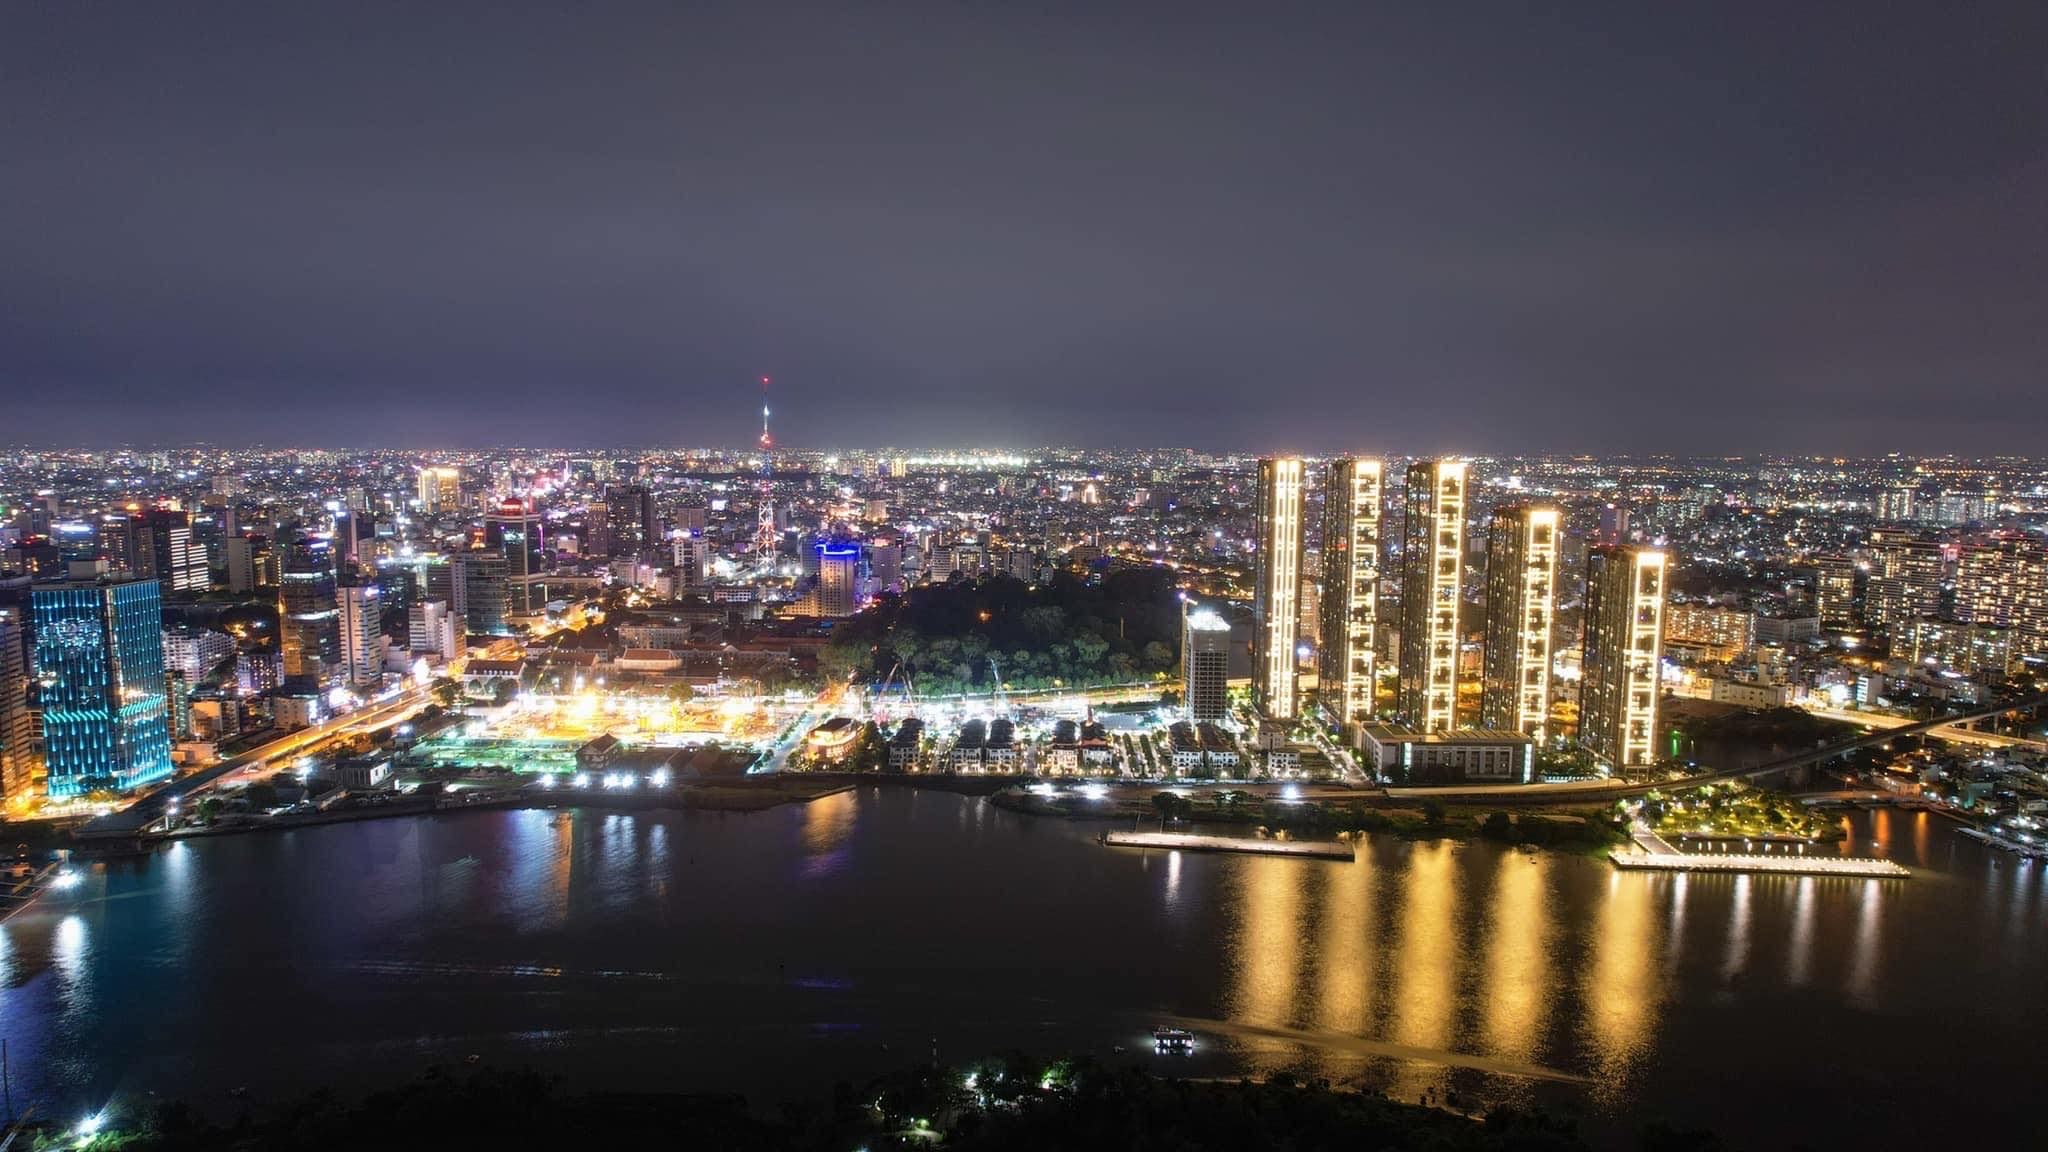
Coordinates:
[1738,930]
[1517,994]
[1621,987]
[1268,948]
[1344,960]
[1862,980]
[1800,965]
[828,822]
[1426,963]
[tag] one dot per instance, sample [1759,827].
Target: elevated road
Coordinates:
[137,817]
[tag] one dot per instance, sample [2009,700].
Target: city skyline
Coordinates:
[1312,231]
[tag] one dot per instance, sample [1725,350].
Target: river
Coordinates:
[773,952]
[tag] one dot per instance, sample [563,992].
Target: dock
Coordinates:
[1306,849]
[1737,862]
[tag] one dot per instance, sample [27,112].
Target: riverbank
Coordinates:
[1590,830]
[756,794]
[999,1104]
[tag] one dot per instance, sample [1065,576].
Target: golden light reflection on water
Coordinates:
[828,820]
[1622,987]
[1519,981]
[1268,952]
[1345,962]
[1426,952]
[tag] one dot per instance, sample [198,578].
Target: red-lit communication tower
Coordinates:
[764,527]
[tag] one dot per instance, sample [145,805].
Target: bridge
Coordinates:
[1820,755]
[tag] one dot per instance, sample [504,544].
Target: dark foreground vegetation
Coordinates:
[998,1106]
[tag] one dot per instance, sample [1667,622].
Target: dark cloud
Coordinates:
[1470,227]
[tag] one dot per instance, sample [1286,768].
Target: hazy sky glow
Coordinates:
[1740,227]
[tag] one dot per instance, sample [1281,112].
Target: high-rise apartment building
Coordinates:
[1906,580]
[178,560]
[1521,577]
[440,490]
[1276,612]
[2005,582]
[434,629]
[1205,664]
[195,652]
[1351,576]
[1624,647]
[100,664]
[1432,584]
[362,635]
[1834,592]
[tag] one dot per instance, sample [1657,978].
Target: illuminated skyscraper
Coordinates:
[440,490]
[1205,664]
[838,578]
[1521,574]
[100,664]
[514,532]
[1432,582]
[1624,647]
[1351,576]
[362,635]
[1276,612]
[309,619]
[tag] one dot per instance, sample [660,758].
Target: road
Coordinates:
[1949,731]
[140,815]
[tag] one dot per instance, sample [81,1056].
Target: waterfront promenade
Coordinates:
[1653,853]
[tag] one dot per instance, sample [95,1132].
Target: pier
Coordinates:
[1736,862]
[1307,849]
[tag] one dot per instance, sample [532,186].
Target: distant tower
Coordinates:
[764,526]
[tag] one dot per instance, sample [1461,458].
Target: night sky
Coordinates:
[1722,227]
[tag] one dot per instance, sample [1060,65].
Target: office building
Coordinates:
[362,635]
[100,665]
[1350,592]
[631,526]
[1432,583]
[440,490]
[309,619]
[17,718]
[1521,574]
[1624,648]
[693,560]
[1205,664]
[513,531]
[838,578]
[244,570]
[1405,756]
[178,561]
[1276,610]
[483,595]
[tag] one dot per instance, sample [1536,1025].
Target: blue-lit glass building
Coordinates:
[100,667]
